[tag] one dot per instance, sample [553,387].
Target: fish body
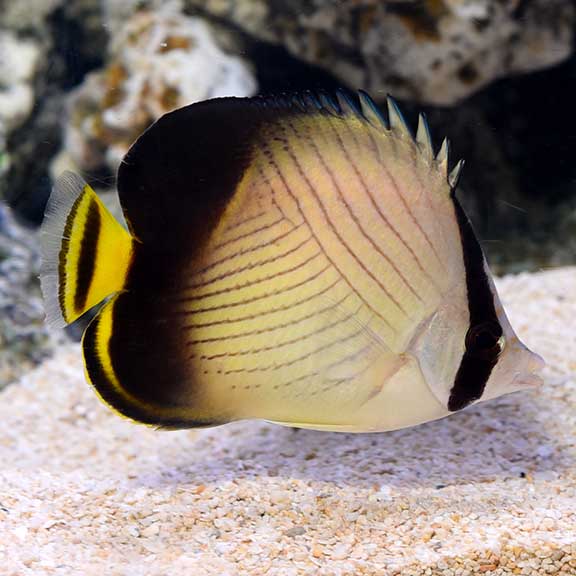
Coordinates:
[301,260]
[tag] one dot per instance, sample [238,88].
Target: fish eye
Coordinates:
[485,337]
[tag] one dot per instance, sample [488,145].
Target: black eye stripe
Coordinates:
[478,361]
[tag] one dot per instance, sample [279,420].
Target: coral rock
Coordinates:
[24,339]
[158,61]
[433,51]
[18,62]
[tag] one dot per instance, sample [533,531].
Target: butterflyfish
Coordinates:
[300,259]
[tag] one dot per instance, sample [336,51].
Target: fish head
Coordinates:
[517,367]
[487,358]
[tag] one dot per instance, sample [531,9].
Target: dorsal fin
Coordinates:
[190,162]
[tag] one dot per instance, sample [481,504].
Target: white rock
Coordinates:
[19,60]
[436,52]
[158,61]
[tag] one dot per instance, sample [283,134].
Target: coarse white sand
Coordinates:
[491,490]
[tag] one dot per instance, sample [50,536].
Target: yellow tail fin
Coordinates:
[86,252]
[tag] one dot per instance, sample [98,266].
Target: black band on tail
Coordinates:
[88,253]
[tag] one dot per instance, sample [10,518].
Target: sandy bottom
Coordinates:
[488,491]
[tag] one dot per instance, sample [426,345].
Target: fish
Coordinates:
[301,259]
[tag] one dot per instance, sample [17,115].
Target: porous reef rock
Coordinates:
[158,61]
[46,46]
[19,62]
[24,339]
[430,51]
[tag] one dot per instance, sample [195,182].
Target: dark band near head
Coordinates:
[482,338]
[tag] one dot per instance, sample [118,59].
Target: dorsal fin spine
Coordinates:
[443,156]
[329,104]
[315,101]
[347,104]
[371,112]
[424,139]
[397,122]
[454,176]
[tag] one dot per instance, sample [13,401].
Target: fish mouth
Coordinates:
[528,381]
[531,376]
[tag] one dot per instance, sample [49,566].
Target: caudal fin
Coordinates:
[86,252]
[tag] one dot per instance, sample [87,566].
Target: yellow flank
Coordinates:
[319,275]
[111,253]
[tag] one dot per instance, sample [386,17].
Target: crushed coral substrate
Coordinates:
[489,491]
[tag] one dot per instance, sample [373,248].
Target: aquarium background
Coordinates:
[80,79]
[490,490]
